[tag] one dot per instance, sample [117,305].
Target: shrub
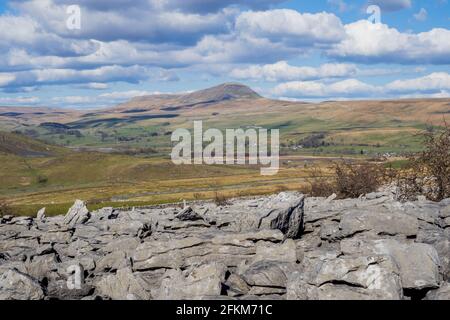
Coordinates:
[220,199]
[5,209]
[348,180]
[428,172]
[279,189]
[42,179]
[354,180]
[197,195]
[321,184]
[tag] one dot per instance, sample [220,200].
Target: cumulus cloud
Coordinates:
[95,86]
[269,36]
[315,89]
[291,26]
[376,43]
[201,6]
[434,82]
[195,6]
[282,71]
[6,78]
[135,41]
[433,85]
[24,32]
[19,101]
[392,5]
[100,100]
[68,76]
[126,20]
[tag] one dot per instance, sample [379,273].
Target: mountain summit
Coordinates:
[221,93]
[226,91]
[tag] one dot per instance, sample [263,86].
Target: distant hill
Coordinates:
[226,91]
[170,102]
[346,127]
[17,144]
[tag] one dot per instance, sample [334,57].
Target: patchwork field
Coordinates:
[120,156]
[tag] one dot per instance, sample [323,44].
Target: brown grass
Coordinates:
[220,199]
[5,209]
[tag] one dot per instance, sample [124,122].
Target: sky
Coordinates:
[294,50]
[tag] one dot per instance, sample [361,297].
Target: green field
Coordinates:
[120,156]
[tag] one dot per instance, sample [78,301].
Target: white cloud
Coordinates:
[341,5]
[96,86]
[123,95]
[114,73]
[133,41]
[107,99]
[392,5]
[432,86]
[433,82]
[6,78]
[19,100]
[368,42]
[438,95]
[268,36]
[345,88]
[291,26]
[422,15]
[282,71]
[74,99]
[26,32]
[127,20]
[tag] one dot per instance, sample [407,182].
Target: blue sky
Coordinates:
[299,50]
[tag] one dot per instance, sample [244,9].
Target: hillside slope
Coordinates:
[19,145]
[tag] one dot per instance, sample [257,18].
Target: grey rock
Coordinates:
[77,214]
[62,237]
[329,230]
[284,252]
[236,285]
[418,263]
[40,216]
[445,212]
[203,282]
[58,290]
[15,285]
[273,247]
[188,214]
[125,244]
[268,273]
[283,212]
[113,262]
[286,214]
[41,267]
[360,277]
[124,285]
[378,222]
[443,293]
[103,214]
[446,222]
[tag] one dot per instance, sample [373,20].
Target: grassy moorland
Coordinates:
[121,180]
[56,176]
[119,156]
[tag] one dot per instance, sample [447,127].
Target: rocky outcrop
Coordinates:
[78,214]
[276,247]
